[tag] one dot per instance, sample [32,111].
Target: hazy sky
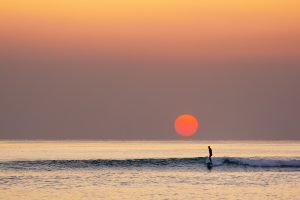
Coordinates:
[125,69]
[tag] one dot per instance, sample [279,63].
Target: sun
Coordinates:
[186,125]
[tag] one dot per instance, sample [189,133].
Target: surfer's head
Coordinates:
[209,147]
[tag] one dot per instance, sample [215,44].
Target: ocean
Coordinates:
[52,170]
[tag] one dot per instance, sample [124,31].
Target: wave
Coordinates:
[153,162]
[259,162]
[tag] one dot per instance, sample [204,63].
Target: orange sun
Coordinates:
[186,125]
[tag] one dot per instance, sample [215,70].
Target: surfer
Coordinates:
[210,153]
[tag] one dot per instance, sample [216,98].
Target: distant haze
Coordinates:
[126,69]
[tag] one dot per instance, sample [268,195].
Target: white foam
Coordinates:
[258,162]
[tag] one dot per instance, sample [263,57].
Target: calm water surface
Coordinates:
[149,170]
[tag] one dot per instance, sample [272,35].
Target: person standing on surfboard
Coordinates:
[210,153]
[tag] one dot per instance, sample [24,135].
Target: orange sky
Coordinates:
[187,30]
[125,69]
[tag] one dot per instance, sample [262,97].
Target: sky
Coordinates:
[125,69]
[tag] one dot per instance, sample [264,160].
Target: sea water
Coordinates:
[45,170]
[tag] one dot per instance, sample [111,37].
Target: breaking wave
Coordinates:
[151,162]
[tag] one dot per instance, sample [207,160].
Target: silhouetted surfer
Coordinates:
[210,153]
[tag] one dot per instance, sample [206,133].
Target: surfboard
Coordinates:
[209,164]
